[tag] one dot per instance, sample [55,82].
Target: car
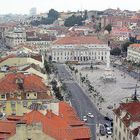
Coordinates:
[102,130]
[106,125]
[108,131]
[108,118]
[84,118]
[90,115]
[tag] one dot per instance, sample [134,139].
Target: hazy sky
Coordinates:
[23,6]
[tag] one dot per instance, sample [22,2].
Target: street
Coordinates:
[79,100]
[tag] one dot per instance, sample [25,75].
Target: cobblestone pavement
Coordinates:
[112,92]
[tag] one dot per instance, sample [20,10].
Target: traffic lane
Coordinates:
[87,102]
[81,106]
[63,72]
[91,108]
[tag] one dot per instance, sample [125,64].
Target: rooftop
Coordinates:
[132,113]
[134,45]
[78,40]
[56,126]
[30,82]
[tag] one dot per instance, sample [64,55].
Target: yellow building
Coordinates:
[18,91]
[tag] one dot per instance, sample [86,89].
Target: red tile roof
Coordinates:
[33,117]
[69,114]
[132,112]
[56,126]
[138,37]
[135,45]
[136,131]
[7,129]
[31,82]
[66,125]
[78,40]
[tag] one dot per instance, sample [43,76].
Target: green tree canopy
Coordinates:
[73,20]
[85,16]
[53,14]
[125,46]
[108,28]
[115,51]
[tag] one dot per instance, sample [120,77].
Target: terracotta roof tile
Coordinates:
[78,40]
[132,112]
[134,45]
[7,129]
[56,126]
[31,82]
[33,117]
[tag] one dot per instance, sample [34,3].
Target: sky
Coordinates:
[23,6]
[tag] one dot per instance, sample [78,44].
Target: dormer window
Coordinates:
[3,96]
[20,82]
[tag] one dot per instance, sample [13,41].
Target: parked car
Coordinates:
[102,130]
[90,115]
[108,131]
[106,125]
[85,118]
[108,118]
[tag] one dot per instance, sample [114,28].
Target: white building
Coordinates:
[133,53]
[15,37]
[82,48]
[33,11]
[127,121]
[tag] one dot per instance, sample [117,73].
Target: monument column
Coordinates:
[108,59]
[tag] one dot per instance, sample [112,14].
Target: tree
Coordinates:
[76,71]
[53,14]
[115,51]
[98,27]
[108,28]
[73,20]
[85,16]
[125,46]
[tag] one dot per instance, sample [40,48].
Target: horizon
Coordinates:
[23,7]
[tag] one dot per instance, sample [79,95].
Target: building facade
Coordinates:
[19,91]
[15,37]
[34,125]
[127,122]
[81,49]
[133,53]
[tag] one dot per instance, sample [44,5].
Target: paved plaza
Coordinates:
[112,92]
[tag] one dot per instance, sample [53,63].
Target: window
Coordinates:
[119,135]
[13,104]
[120,124]
[34,94]
[124,128]
[115,130]
[3,96]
